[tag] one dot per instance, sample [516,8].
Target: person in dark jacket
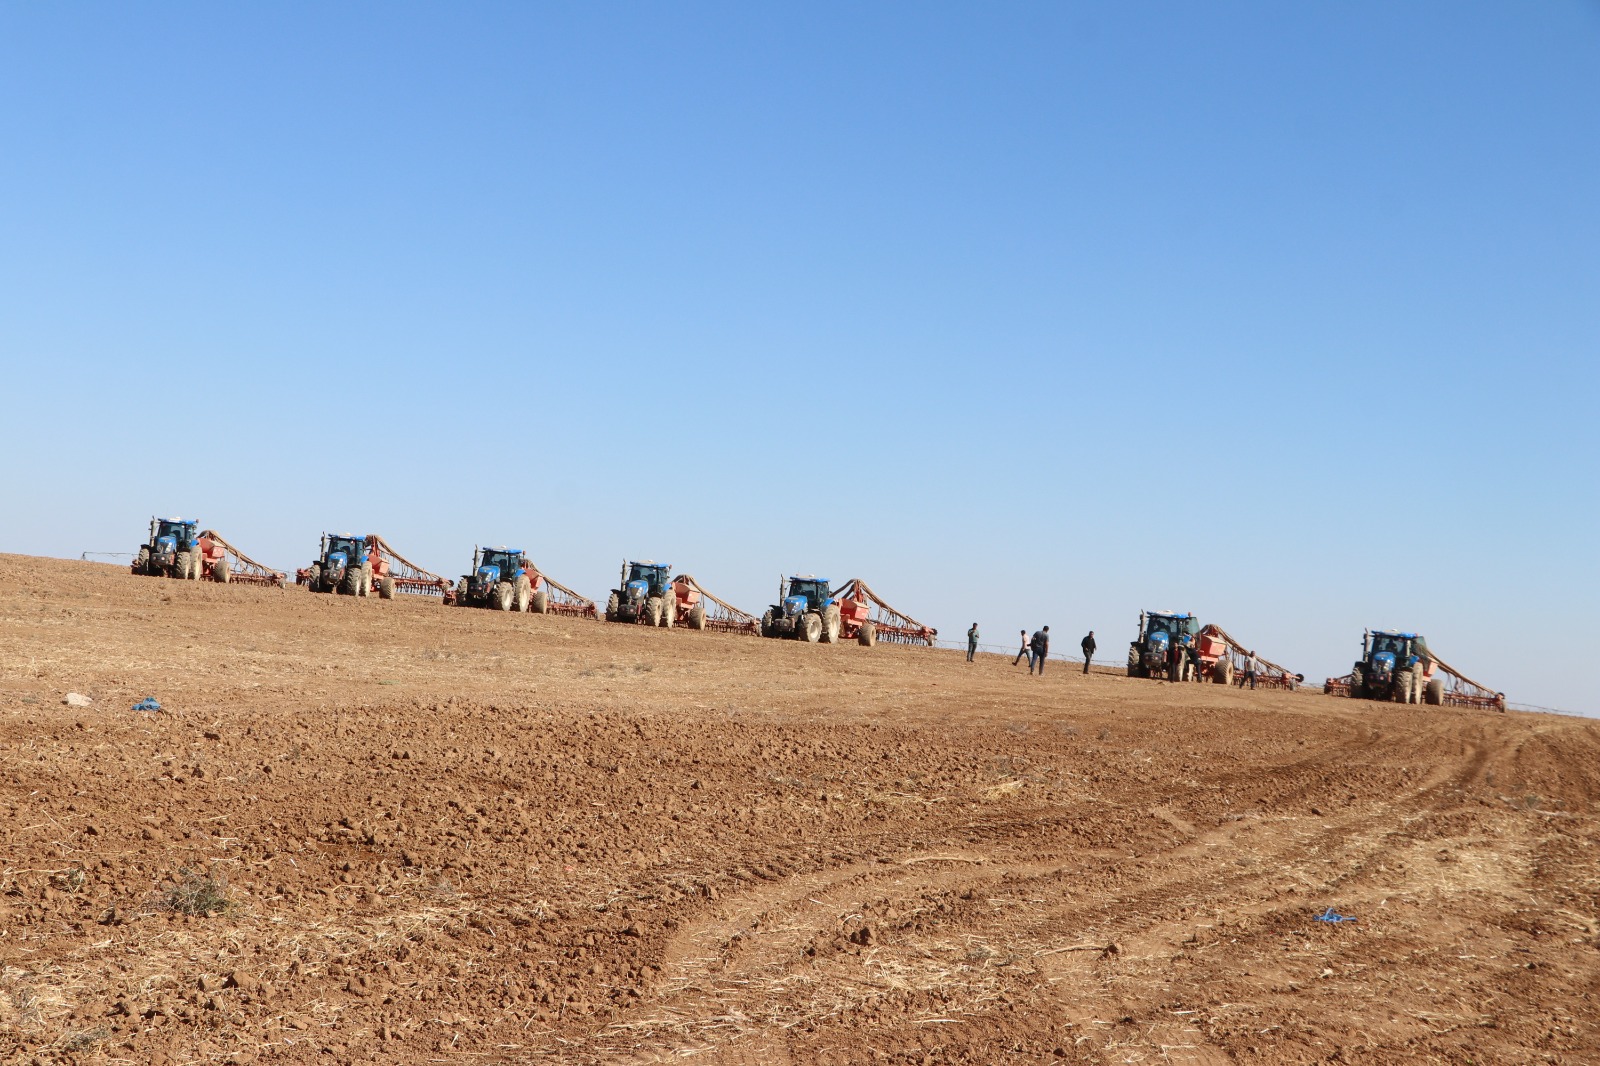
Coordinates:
[972,641]
[1026,651]
[1040,646]
[1088,650]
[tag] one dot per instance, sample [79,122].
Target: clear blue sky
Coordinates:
[1286,314]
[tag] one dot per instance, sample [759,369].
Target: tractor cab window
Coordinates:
[814,591]
[1392,645]
[1159,624]
[504,560]
[351,548]
[173,529]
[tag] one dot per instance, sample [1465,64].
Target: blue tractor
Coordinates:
[1396,666]
[502,579]
[644,595]
[344,566]
[806,610]
[173,550]
[1159,632]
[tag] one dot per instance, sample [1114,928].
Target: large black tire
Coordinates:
[314,577]
[219,571]
[1358,683]
[351,585]
[540,604]
[830,624]
[669,609]
[141,562]
[613,605]
[1404,682]
[652,610]
[766,623]
[867,635]
[461,592]
[810,626]
[501,596]
[1222,672]
[1435,692]
[697,617]
[386,587]
[522,596]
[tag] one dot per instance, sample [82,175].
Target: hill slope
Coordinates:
[443,834]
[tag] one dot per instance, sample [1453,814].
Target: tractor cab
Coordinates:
[343,550]
[497,564]
[647,578]
[807,593]
[172,535]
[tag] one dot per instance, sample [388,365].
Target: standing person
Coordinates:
[1041,647]
[1174,661]
[1251,665]
[1088,650]
[1026,651]
[972,641]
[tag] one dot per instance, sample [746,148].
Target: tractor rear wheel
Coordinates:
[141,562]
[830,624]
[697,617]
[810,627]
[669,610]
[867,635]
[766,623]
[1402,685]
[541,602]
[351,585]
[461,593]
[219,571]
[386,587]
[1358,683]
[502,596]
[314,577]
[613,605]
[524,593]
[1435,692]
[652,610]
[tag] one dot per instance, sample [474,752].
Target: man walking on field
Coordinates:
[1041,647]
[1025,652]
[1088,650]
[972,641]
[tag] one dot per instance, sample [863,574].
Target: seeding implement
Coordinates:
[1400,667]
[354,566]
[806,610]
[695,602]
[560,599]
[229,564]
[1222,658]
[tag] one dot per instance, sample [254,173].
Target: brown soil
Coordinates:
[420,834]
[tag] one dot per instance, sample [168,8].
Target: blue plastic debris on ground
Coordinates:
[1330,915]
[147,704]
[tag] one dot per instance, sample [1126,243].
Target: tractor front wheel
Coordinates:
[830,625]
[867,635]
[810,627]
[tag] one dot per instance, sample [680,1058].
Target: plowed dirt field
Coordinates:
[362,831]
